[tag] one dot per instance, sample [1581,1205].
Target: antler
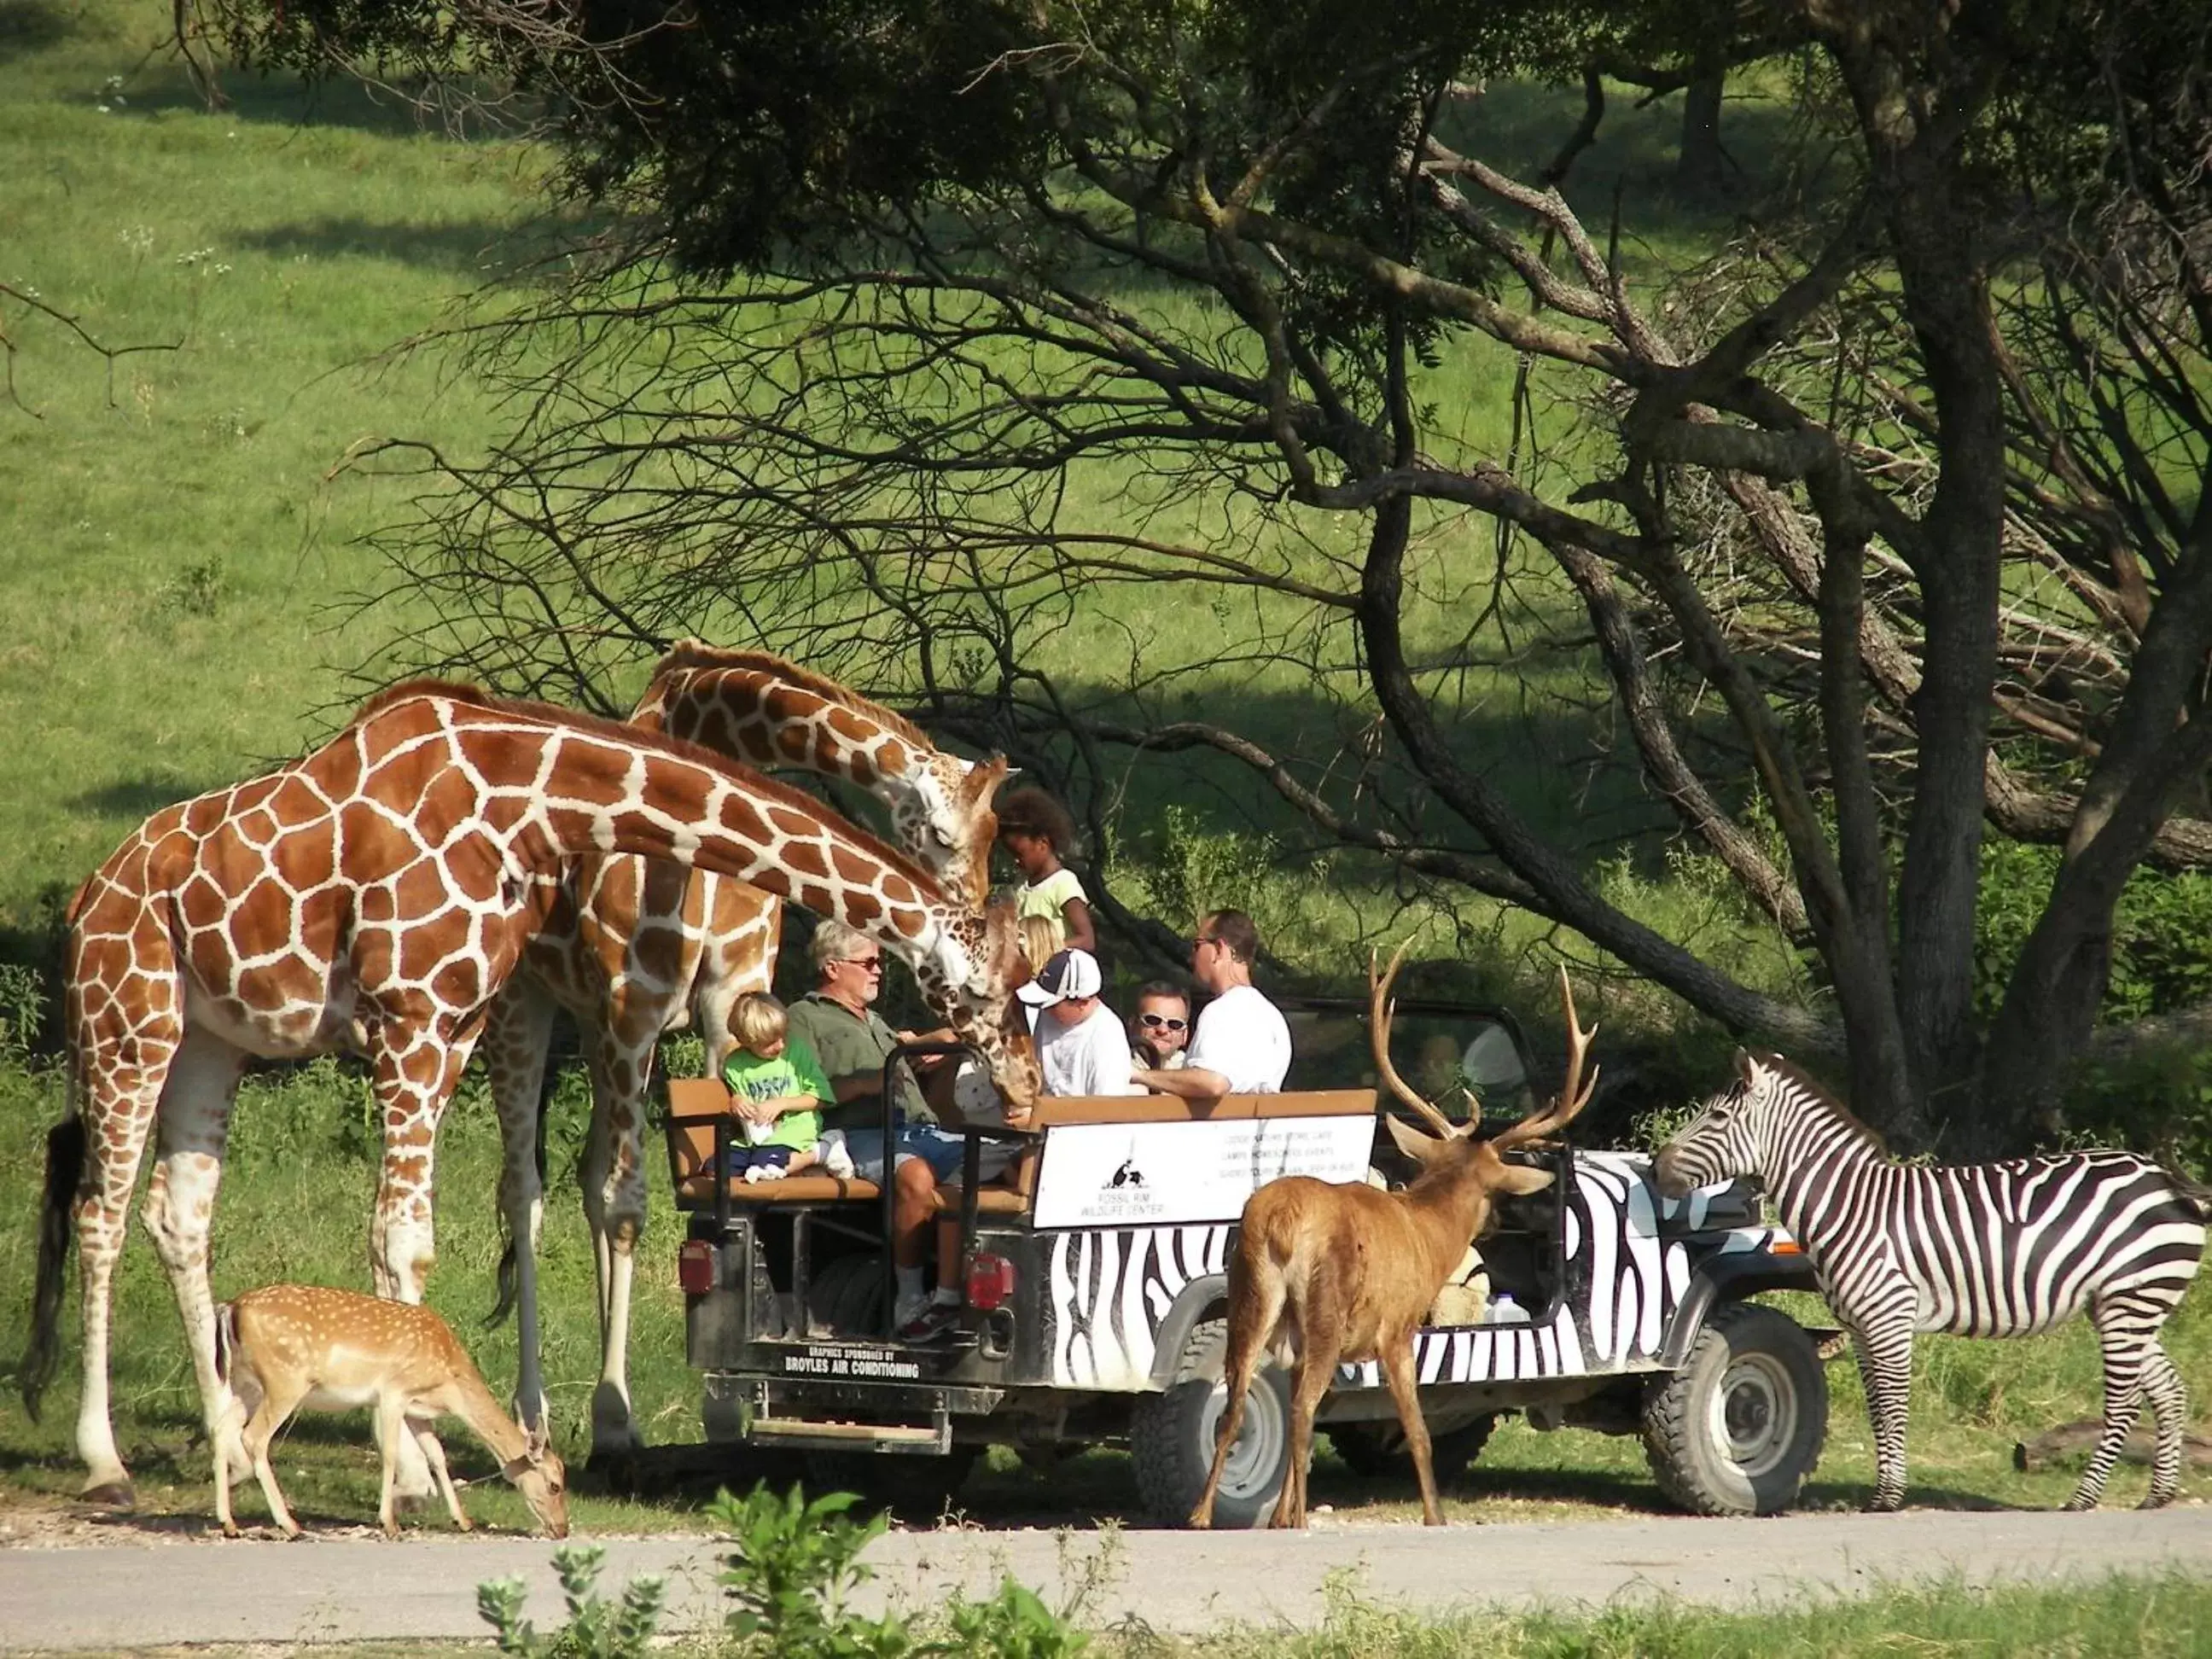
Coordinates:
[1573,1093]
[1380,1010]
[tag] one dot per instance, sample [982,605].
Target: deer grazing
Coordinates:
[286,1347]
[1327,1274]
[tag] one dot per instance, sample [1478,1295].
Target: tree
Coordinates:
[911,329]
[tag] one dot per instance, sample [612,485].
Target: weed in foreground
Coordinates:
[797,1564]
[597,1628]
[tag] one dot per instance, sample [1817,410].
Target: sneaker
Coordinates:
[935,1320]
[760,1172]
[835,1158]
[911,1309]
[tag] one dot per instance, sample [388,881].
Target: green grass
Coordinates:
[175,550]
[2169,1614]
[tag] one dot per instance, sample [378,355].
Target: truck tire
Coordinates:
[847,1296]
[1371,1450]
[1739,1427]
[1171,1437]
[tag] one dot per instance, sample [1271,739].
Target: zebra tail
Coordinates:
[66,1154]
[2195,1194]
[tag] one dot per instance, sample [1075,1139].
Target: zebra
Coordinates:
[1981,1249]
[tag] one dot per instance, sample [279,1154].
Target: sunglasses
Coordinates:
[866,964]
[1162,1021]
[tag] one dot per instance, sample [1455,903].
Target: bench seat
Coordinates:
[696,1104]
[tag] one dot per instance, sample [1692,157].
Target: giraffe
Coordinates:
[379,892]
[631,948]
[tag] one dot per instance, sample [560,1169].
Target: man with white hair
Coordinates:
[839,1022]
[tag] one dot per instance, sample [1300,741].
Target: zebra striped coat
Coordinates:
[1985,1250]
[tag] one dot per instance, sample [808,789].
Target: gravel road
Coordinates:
[335,1589]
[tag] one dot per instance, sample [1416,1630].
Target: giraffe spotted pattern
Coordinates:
[374,895]
[631,949]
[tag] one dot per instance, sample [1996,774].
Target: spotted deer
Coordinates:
[1326,1275]
[286,1347]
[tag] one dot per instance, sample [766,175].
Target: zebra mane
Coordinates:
[1812,1090]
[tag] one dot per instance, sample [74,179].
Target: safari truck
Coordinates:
[1096,1282]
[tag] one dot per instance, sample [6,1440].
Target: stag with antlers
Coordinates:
[1327,1274]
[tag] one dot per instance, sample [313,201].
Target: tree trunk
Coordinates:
[2156,749]
[1700,167]
[1957,561]
[1881,1085]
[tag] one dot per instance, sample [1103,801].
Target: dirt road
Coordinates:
[352,1587]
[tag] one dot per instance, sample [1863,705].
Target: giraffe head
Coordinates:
[766,710]
[944,816]
[971,979]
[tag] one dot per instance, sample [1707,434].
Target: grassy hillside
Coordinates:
[172,547]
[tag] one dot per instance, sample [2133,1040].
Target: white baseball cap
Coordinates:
[1071,973]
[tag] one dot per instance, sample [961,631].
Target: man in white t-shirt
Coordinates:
[1080,1046]
[1242,1043]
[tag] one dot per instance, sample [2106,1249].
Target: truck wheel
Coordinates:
[1738,1428]
[1171,1437]
[847,1296]
[1371,1450]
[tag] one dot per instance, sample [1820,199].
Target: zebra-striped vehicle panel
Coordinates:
[1112,1290]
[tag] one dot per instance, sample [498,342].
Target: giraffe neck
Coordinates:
[759,716]
[763,710]
[599,787]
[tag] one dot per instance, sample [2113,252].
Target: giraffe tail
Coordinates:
[65,1149]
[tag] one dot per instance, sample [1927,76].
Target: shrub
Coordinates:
[596,1629]
[22,1010]
[797,1562]
[795,1565]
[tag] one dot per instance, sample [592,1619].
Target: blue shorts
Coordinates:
[741,1158]
[940,1151]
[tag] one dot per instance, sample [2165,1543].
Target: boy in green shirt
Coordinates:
[777,1091]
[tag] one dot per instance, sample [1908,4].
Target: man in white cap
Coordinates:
[1081,1045]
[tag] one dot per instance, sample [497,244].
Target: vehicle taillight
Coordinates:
[694,1266]
[990,1282]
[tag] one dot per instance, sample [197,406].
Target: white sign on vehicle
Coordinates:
[1115,1175]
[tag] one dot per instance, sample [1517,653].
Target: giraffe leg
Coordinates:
[517,1032]
[121,1052]
[119,1112]
[1885,1357]
[412,1086]
[627,1063]
[2169,1402]
[591,1174]
[2127,1345]
[194,1123]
